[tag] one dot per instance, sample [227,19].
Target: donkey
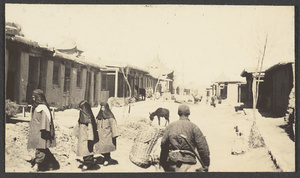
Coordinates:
[160,112]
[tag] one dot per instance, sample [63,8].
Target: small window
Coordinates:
[55,78]
[78,79]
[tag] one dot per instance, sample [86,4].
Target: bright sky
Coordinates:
[199,42]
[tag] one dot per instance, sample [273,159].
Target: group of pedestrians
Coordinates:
[95,135]
[98,136]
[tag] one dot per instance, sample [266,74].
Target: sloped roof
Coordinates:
[252,70]
[222,78]
[124,64]
[73,50]
[282,63]
[26,41]
[157,68]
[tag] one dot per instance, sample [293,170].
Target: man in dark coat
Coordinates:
[176,154]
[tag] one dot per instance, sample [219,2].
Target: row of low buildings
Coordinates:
[275,86]
[66,76]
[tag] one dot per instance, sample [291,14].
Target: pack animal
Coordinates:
[141,92]
[160,112]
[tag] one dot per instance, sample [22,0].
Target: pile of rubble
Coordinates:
[17,155]
[132,126]
[16,152]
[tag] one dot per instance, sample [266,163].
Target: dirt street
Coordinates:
[217,124]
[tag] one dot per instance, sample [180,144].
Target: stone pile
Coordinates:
[17,155]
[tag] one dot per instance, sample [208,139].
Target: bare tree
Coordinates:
[255,138]
[126,79]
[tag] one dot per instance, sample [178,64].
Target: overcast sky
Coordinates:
[198,42]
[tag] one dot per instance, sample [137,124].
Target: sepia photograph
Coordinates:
[129,88]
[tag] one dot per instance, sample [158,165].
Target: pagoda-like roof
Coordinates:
[157,68]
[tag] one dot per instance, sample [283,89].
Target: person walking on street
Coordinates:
[179,142]
[41,133]
[86,132]
[108,133]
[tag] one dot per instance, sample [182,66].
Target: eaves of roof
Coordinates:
[280,64]
[26,41]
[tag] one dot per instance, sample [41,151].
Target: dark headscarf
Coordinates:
[40,98]
[106,114]
[86,116]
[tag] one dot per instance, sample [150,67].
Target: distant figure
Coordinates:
[108,133]
[178,153]
[160,112]
[214,101]
[86,132]
[41,133]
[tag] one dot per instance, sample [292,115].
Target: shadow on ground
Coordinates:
[100,160]
[12,120]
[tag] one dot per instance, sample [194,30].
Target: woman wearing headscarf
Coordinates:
[41,133]
[107,130]
[87,135]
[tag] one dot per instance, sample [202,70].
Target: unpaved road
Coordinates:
[217,124]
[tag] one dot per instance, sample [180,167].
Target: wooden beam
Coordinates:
[116,82]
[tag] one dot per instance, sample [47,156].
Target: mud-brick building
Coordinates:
[229,90]
[114,82]
[279,81]
[65,79]
[25,63]
[250,74]
[72,79]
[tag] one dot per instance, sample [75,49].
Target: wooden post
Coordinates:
[116,82]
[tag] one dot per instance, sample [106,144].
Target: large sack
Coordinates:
[143,145]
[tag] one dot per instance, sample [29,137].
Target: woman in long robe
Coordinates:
[107,130]
[86,132]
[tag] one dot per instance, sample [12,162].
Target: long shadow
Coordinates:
[265,113]
[287,128]
[9,120]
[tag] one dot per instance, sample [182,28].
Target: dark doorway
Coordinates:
[87,89]
[95,88]
[10,85]
[33,77]
[67,86]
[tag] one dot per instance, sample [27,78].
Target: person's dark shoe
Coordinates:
[32,162]
[92,166]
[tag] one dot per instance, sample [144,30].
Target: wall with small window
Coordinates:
[77,87]
[54,85]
